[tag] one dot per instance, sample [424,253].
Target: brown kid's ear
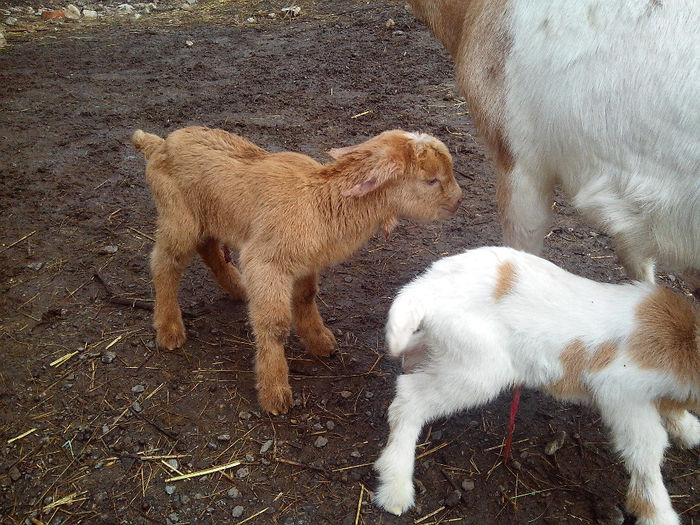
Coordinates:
[376,162]
[364,187]
[336,153]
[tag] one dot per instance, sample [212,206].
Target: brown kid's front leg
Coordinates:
[269,305]
[308,323]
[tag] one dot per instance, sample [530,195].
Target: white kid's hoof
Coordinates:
[396,498]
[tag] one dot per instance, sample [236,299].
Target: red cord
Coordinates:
[511,423]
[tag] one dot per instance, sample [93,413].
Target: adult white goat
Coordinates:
[601,97]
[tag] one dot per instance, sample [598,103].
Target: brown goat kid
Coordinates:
[289,217]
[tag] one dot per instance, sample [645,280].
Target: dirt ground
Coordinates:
[111,418]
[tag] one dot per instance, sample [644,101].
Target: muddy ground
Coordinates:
[111,418]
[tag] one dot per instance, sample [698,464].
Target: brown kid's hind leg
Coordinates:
[167,266]
[225,273]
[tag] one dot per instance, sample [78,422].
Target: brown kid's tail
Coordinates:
[146,143]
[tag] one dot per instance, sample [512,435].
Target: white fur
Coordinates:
[601,97]
[476,343]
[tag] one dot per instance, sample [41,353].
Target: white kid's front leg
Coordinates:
[395,465]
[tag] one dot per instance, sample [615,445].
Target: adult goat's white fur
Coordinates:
[601,97]
[478,323]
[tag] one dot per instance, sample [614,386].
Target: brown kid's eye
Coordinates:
[432,182]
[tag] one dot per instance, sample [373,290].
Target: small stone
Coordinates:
[170,489]
[453,498]
[125,8]
[345,394]
[369,395]
[242,472]
[52,14]
[89,13]
[48,500]
[184,499]
[355,454]
[556,444]
[292,10]
[138,389]
[173,463]
[189,43]
[249,458]
[72,12]
[136,406]
[223,437]
[397,33]
[266,446]
[347,279]
[15,474]
[108,357]
[468,484]
[607,514]
[250,20]
[3,43]
[233,493]
[173,517]
[390,23]
[36,266]
[109,250]
[10,21]
[245,416]
[191,2]
[330,425]
[320,442]
[317,427]
[237,511]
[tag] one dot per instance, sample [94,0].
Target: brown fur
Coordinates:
[289,217]
[576,359]
[573,360]
[604,354]
[667,335]
[475,33]
[638,505]
[505,280]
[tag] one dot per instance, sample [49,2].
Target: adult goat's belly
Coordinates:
[617,84]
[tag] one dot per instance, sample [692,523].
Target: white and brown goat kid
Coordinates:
[478,323]
[599,97]
[289,217]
